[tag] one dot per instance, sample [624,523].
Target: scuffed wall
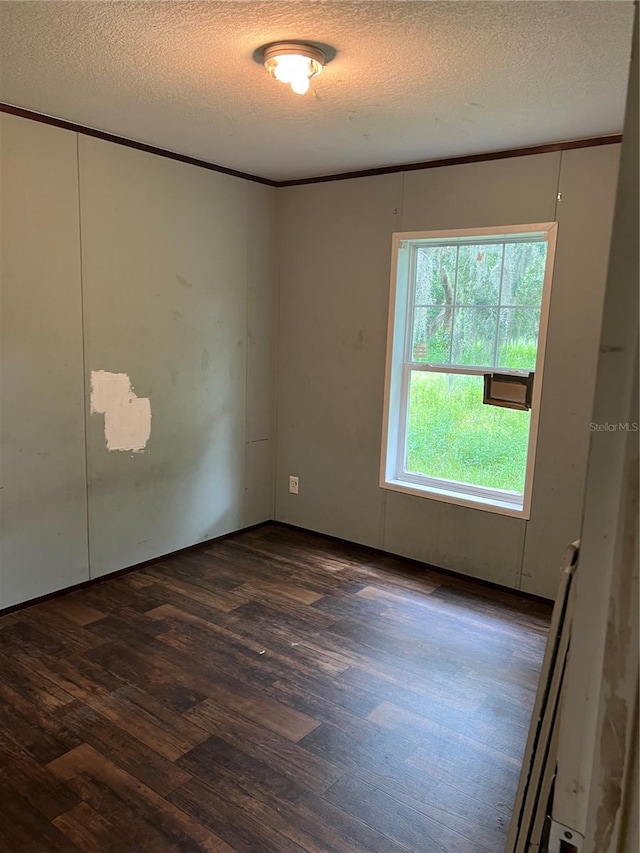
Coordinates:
[334,291]
[597,745]
[137,357]
[43,517]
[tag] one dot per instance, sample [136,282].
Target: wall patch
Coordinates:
[127,418]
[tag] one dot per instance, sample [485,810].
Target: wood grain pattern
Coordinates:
[274,691]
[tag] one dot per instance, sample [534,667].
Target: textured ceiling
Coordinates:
[410,81]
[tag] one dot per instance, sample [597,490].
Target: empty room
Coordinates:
[319,426]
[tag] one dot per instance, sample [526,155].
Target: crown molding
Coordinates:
[568,145]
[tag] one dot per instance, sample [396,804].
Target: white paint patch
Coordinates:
[127,418]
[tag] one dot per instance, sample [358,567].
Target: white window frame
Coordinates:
[399,366]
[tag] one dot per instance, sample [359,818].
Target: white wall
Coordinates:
[43,519]
[596,789]
[334,286]
[119,260]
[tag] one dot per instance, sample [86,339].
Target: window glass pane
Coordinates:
[431,335]
[479,270]
[435,275]
[518,338]
[474,336]
[523,277]
[452,435]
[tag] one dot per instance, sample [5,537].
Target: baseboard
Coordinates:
[529,596]
[197,546]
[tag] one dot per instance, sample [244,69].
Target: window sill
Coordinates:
[474,502]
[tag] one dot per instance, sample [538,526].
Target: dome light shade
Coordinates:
[294,64]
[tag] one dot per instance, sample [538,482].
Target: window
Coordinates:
[465,304]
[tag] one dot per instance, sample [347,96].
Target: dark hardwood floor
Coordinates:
[275,691]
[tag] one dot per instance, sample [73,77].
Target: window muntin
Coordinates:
[464,304]
[472,302]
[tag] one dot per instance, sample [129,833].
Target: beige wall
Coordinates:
[334,286]
[123,261]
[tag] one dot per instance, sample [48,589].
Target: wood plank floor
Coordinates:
[275,691]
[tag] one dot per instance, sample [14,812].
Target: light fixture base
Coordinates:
[293,48]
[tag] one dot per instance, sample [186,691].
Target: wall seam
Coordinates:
[383,513]
[247,274]
[555,208]
[383,520]
[528,520]
[85,413]
[276,353]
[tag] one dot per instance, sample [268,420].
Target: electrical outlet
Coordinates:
[293,485]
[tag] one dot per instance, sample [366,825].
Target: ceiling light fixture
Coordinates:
[294,63]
